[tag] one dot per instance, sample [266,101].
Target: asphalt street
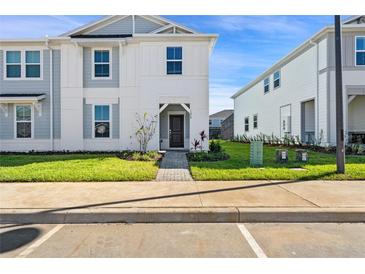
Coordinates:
[183,240]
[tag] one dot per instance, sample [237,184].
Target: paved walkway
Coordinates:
[188,202]
[174,167]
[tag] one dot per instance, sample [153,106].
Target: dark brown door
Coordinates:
[176,131]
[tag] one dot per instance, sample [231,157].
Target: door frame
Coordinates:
[177,112]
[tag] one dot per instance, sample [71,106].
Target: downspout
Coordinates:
[317,87]
[51,91]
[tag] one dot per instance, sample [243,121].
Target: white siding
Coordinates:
[298,84]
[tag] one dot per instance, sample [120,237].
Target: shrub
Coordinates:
[139,156]
[215,146]
[207,156]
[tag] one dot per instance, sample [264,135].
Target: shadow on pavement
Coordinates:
[13,239]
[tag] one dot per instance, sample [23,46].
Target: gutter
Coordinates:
[317,87]
[50,92]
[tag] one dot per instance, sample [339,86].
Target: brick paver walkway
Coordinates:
[174,167]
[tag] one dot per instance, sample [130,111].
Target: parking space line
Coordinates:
[251,241]
[40,241]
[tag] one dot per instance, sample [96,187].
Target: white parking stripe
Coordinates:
[40,241]
[251,241]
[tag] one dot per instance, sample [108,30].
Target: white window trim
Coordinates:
[268,84]
[257,121]
[175,60]
[110,122]
[23,64]
[93,64]
[279,79]
[248,123]
[31,121]
[356,50]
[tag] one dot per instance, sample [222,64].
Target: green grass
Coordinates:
[320,166]
[74,167]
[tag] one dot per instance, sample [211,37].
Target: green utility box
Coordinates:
[302,155]
[282,155]
[256,153]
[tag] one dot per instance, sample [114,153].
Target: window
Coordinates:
[247,124]
[210,122]
[23,64]
[360,51]
[277,79]
[32,64]
[266,85]
[23,121]
[255,122]
[102,121]
[101,64]
[13,64]
[174,60]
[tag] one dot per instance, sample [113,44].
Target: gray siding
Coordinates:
[123,26]
[145,26]
[7,124]
[57,94]
[87,111]
[41,122]
[115,121]
[348,48]
[87,68]
[87,120]
[164,127]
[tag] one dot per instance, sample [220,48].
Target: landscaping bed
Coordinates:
[237,167]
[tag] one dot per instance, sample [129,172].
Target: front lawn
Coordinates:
[237,167]
[74,167]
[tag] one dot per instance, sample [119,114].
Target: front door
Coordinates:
[176,131]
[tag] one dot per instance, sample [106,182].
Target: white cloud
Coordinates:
[219,96]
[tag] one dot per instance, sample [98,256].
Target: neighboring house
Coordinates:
[83,89]
[215,122]
[296,96]
[227,128]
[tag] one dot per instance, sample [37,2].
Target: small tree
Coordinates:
[203,136]
[146,130]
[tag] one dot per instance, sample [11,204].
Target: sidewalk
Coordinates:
[239,201]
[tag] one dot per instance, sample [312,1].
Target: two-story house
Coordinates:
[296,96]
[216,121]
[83,89]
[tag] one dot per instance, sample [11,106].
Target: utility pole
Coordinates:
[340,148]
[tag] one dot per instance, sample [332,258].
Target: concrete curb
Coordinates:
[183,215]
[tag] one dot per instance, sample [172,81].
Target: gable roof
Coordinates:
[356,19]
[129,24]
[347,26]
[223,114]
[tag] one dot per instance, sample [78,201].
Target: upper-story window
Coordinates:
[174,60]
[247,124]
[360,51]
[266,85]
[277,79]
[13,64]
[102,64]
[32,64]
[23,64]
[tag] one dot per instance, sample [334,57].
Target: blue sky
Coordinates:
[246,47]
